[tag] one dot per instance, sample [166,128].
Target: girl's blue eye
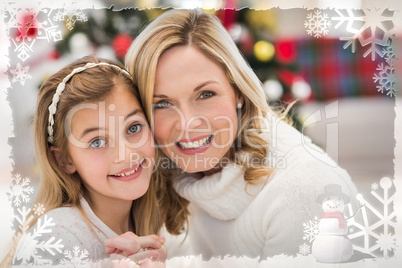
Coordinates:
[206,94]
[134,128]
[98,143]
[162,104]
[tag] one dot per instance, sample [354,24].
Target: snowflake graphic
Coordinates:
[22,219]
[70,17]
[372,27]
[39,209]
[386,242]
[29,25]
[20,74]
[304,249]
[32,247]
[374,186]
[77,256]
[375,234]
[386,79]
[20,193]
[389,52]
[20,190]
[317,24]
[311,229]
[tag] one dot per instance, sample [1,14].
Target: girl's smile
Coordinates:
[129,173]
[112,137]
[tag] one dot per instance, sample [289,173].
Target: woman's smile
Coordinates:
[195,113]
[195,146]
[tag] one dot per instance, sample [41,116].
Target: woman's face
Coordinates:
[194,109]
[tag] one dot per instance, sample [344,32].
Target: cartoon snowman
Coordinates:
[331,244]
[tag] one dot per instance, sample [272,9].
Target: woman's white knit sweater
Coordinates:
[231,218]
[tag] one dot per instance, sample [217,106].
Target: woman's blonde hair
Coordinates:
[57,188]
[205,33]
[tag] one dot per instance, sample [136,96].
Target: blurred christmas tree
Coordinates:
[274,62]
[106,28]
[252,30]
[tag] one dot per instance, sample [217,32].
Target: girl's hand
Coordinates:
[138,248]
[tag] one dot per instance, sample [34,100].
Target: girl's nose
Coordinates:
[119,151]
[119,146]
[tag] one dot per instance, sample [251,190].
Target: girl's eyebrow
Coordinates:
[203,84]
[133,113]
[89,130]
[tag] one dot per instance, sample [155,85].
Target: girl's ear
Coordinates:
[63,161]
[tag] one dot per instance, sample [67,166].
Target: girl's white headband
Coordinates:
[62,86]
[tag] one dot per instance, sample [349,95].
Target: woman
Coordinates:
[241,179]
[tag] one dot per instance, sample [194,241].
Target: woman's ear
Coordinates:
[240,99]
[63,161]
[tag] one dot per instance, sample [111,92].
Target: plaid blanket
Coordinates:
[335,72]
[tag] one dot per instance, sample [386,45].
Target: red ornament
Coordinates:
[286,51]
[247,45]
[54,55]
[228,15]
[121,43]
[242,37]
[286,77]
[28,26]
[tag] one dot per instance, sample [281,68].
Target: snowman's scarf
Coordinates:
[338,215]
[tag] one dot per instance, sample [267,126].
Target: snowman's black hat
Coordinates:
[333,190]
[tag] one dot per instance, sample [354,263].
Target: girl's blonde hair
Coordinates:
[206,33]
[57,188]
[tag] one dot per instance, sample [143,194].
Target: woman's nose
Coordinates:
[188,119]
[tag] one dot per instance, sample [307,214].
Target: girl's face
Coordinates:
[194,110]
[111,146]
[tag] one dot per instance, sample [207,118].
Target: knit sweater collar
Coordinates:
[222,195]
[98,223]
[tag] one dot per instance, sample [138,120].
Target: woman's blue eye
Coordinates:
[162,104]
[98,143]
[134,128]
[206,95]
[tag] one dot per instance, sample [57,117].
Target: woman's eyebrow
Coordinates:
[203,84]
[160,96]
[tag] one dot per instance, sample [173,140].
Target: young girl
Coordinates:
[96,155]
